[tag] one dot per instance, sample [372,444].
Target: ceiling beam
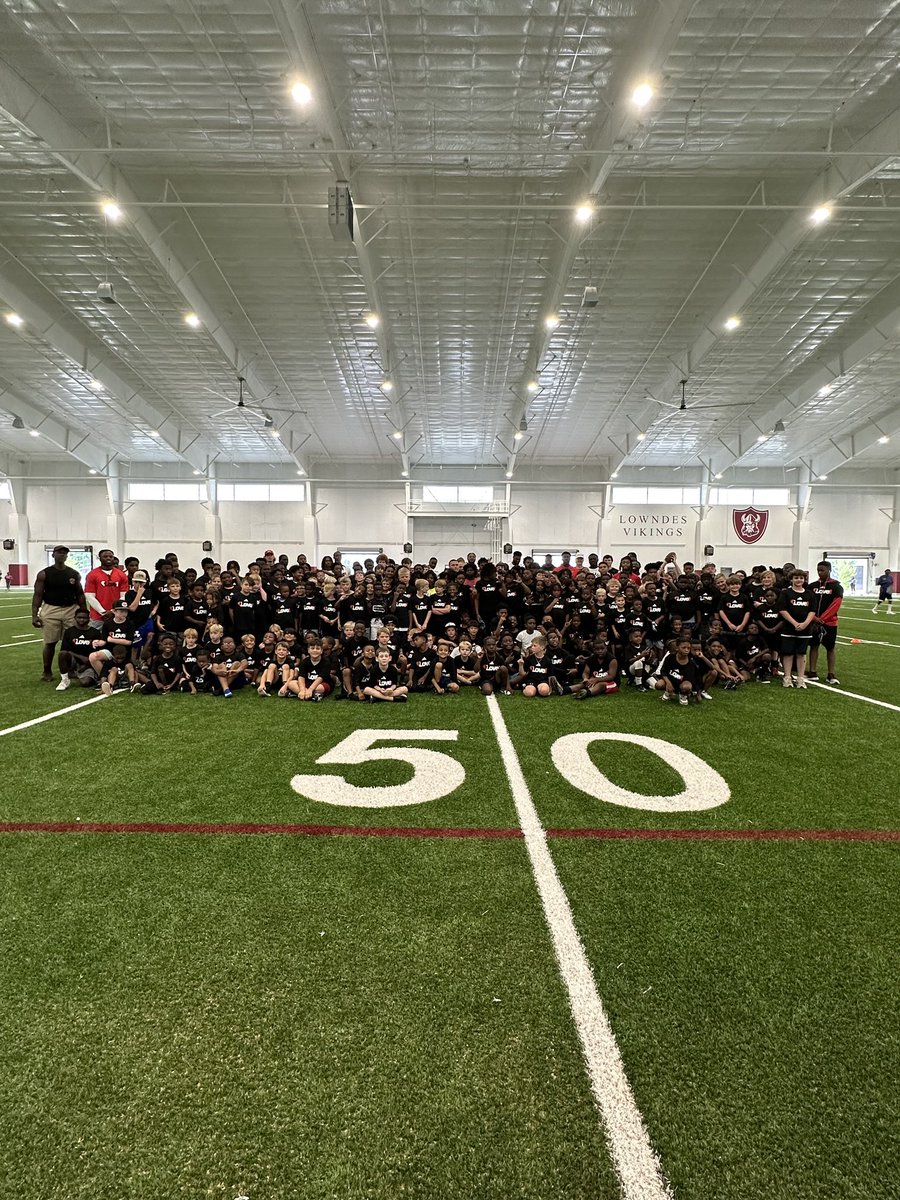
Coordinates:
[23,104]
[880,335]
[90,356]
[653,42]
[838,451]
[296,32]
[846,172]
[84,447]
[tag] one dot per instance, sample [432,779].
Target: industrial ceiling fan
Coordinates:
[251,410]
[684,407]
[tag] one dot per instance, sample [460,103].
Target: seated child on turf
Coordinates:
[444,674]
[386,684]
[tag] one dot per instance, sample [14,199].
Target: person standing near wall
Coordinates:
[885,583]
[58,595]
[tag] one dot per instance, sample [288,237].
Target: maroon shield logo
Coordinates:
[749,523]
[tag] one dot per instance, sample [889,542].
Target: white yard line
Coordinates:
[839,691]
[869,620]
[844,639]
[60,712]
[16,645]
[634,1159]
[21,617]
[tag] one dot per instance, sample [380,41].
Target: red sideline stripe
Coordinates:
[400,831]
[242,828]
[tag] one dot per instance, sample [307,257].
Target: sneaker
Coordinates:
[833,680]
[556,685]
[583,695]
[227,693]
[682,699]
[787,683]
[665,695]
[813,676]
[705,696]
[400,699]
[316,698]
[801,683]
[64,683]
[46,677]
[875,609]
[106,688]
[135,687]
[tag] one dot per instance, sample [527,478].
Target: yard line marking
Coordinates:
[15,645]
[844,640]
[865,620]
[19,617]
[243,829]
[60,712]
[636,1163]
[839,691]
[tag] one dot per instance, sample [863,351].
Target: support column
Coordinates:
[701,535]
[213,522]
[20,533]
[310,545]
[800,532]
[115,518]
[605,530]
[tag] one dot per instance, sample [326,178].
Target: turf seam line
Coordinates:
[839,691]
[635,1162]
[60,712]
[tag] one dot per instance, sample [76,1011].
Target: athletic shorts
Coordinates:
[825,635]
[56,620]
[795,643]
[140,638]
[885,594]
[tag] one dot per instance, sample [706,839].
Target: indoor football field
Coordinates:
[459,948]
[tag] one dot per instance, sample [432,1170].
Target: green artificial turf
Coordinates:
[285,1018]
[172,1022]
[752,988]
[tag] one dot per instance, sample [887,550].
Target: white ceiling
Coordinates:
[468,132]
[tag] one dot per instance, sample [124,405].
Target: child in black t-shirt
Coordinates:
[535,675]
[165,669]
[797,606]
[494,669]
[386,683]
[599,674]
[279,672]
[680,674]
[444,674]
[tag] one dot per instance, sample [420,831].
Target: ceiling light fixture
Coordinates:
[583,213]
[826,389]
[732,323]
[518,435]
[762,437]
[196,472]
[300,471]
[883,440]
[301,93]
[386,385]
[717,476]
[641,436]
[154,433]
[509,474]
[94,384]
[92,471]
[192,319]
[373,320]
[820,215]
[551,321]
[822,477]
[111,210]
[35,432]
[13,318]
[397,435]
[615,475]
[532,385]
[642,95]
[276,433]
[404,474]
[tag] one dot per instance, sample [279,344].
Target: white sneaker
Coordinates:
[682,699]
[801,683]
[64,683]
[106,687]
[875,609]
[705,696]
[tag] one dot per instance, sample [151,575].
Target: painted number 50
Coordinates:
[434,774]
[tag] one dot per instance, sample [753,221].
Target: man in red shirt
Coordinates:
[103,587]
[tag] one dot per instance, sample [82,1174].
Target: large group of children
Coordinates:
[381,631]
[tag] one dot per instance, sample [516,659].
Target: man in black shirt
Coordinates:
[57,595]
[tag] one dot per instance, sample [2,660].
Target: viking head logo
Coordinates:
[749,524]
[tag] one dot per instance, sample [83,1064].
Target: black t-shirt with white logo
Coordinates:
[78,641]
[799,605]
[536,670]
[118,633]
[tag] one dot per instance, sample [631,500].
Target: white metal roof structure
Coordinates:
[736,164]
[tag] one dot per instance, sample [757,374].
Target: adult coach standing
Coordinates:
[103,587]
[58,595]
